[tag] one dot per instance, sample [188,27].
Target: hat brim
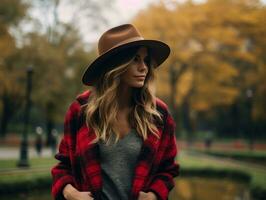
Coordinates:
[159,52]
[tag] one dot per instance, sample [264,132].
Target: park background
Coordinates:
[214,83]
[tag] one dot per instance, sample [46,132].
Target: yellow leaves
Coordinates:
[209,94]
[7,49]
[6,46]
[183,86]
[259,107]
[162,82]
[12,11]
[8,79]
[213,83]
[219,42]
[244,56]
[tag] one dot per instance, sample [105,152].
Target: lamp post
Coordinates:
[249,96]
[23,162]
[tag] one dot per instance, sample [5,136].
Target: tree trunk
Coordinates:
[187,124]
[174,76]
[49,128]
[49,122]
[6,115]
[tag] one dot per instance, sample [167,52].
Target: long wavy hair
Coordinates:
[102,106]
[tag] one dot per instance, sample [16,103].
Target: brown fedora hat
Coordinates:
[118,43]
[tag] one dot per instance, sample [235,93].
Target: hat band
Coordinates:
[133,39]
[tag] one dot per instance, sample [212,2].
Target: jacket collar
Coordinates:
[91,154]
[90,157]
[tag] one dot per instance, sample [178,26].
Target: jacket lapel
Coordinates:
[144,163]
[91,167]
[90,159]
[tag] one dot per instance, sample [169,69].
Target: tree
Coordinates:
[11,12]
[65,55]
[54,48]
[215,53]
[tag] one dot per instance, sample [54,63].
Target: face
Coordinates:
[137,69]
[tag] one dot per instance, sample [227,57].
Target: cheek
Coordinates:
[125,77]
[129,73]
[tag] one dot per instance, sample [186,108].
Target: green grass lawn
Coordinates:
[255,153]
[35,162]
[194,161]
[40,168]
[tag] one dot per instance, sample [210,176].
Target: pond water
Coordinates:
[209,189]
[186,189]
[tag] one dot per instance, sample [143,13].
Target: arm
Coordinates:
[61,172]
[70,192]
[162,182]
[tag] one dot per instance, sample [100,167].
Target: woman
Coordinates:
[119,140]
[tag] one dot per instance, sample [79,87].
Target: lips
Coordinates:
[140,78]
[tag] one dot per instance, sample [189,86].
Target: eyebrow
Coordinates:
[137,55]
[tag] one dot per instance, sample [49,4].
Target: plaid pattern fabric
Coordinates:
[79,160]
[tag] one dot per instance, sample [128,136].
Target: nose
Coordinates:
[142,66]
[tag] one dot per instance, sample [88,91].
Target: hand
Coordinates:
[80,196]
[147,196]
[71,193]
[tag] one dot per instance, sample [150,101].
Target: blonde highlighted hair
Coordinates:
[102,107]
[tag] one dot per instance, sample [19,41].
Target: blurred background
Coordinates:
[214,83]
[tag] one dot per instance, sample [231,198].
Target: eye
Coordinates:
[147,61]
[136,59]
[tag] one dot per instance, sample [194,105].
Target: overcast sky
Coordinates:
[125,10]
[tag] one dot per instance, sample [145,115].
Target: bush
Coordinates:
[256,157]
[217,173]
[26,185]
[258,193]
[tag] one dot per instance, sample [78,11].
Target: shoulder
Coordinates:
[75,117]
[162,107]
[82,98]
[76,106]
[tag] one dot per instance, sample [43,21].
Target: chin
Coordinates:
[138,85]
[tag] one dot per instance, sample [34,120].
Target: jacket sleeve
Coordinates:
[163,181]
[62,172]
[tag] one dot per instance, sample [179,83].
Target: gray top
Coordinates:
[118,164]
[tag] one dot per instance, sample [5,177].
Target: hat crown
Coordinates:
[117,36]
[118,44]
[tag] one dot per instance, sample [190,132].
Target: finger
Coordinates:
[141,192]
[86,193]
[90,194]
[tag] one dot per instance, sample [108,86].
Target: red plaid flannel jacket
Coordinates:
[80,165]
